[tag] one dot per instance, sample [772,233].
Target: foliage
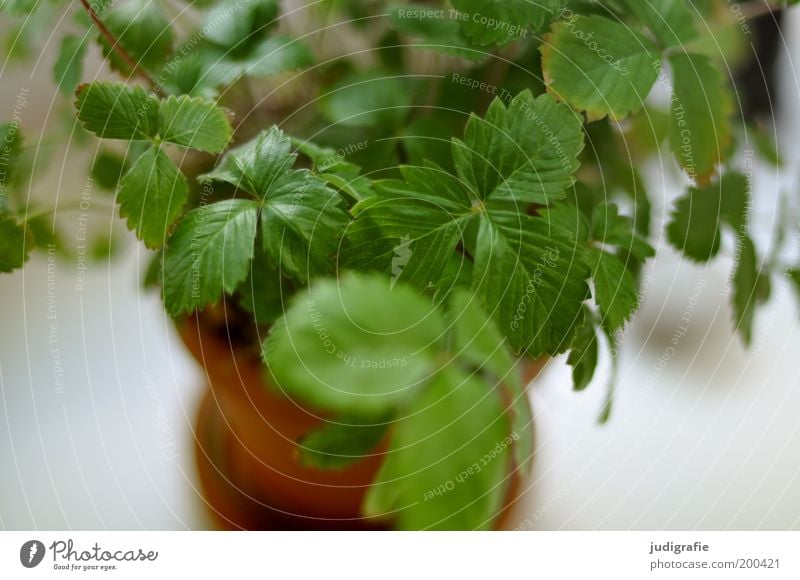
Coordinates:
[407,237]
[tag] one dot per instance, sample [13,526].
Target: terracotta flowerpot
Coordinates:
[249,467]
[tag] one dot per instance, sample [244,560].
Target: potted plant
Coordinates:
[372,231]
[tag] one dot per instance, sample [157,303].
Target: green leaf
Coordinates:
[501,21]
[208,254]
[354,346]
[734,192]
[262,293]
[151,195]
[794,277]
[428,139]
[301,224]
[696,220]
[367,100]
[322,158]
[10,158]
[153,270]
[525,153]
[439,34]
[529,272]
[599,66]
[331,168]
[448,462]
[612,229]
[583,355]
[116,111]
[238,26]
[694,227]
[337,445]
[531,279]
[615,290]
[108,167]
[68,68]
[457,275]
[745,295]
[672,22]
[477,340]
[269,57]
[700,131]
[256,165]
[194,123]
[14,244]
[44,233]
[346,179]
[765,142]
[273,56]
[423,218]
[198,73]
[142,30]
[104,248]
[301,218]
[568,220]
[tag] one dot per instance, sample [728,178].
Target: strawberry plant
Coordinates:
[406,202]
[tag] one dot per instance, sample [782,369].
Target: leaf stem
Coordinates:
[498,71]
[116,46]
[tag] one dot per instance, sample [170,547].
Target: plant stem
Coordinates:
[498,72]
[116,46]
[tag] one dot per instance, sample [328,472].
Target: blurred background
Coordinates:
[98,396]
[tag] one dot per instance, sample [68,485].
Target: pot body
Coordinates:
[248,463]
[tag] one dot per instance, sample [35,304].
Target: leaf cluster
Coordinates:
[406,239]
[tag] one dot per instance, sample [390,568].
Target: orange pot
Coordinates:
[249,466]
